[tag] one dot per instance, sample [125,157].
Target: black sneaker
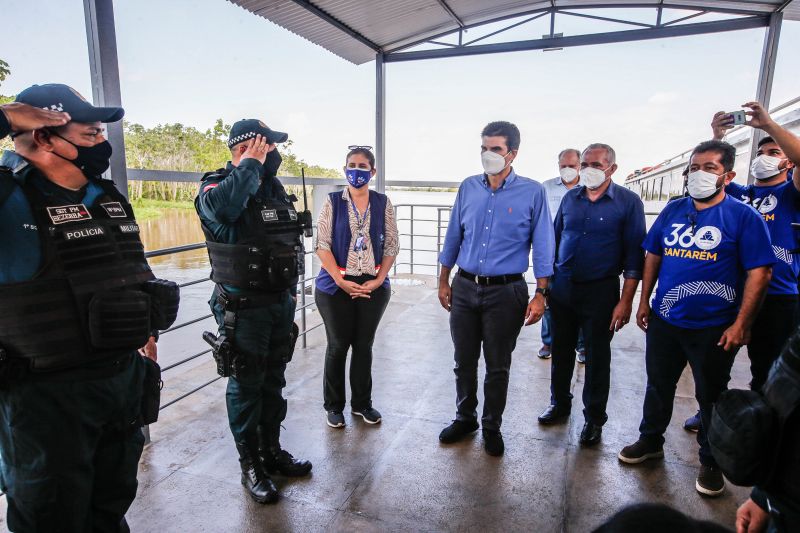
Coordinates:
[457,431]
[639,452]
[493,443]
[370,415]
[335,419]
[710,481]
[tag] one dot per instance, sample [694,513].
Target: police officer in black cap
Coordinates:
[80,304]
[255,245]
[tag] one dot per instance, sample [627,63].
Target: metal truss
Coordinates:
[741,19]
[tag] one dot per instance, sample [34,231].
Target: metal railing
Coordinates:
[418,228]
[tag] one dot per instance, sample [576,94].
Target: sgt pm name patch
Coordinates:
[114,209]
[68,213]
[269,215]
[91,231]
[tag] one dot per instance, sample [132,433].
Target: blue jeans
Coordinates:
[547,334]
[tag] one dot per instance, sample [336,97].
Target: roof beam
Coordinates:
[451,13]
[333,21]
[393,48]
[584,40]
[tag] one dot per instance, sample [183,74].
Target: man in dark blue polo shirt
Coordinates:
[497,217]
[712,258]
[599,230]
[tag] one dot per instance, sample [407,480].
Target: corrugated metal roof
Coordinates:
[366,25]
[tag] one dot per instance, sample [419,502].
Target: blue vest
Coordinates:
[342,236]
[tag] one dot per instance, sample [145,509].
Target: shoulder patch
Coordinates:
[209,187]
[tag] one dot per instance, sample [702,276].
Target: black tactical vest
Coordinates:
[87,301]
[268,254]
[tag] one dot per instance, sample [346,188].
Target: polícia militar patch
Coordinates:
[114,209]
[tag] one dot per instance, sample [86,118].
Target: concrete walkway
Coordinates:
[396,476]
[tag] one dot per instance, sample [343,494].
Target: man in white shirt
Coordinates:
[569,165]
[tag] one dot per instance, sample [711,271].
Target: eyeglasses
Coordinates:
[359,147]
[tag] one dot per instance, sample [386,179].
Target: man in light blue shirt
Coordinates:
[498,219]
[569,165]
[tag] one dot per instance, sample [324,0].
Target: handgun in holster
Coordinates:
[223,354]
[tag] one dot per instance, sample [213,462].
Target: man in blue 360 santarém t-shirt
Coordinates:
[712,258]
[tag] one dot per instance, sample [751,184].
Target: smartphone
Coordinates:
[738,117]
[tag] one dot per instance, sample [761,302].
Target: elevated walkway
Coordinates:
[396,476]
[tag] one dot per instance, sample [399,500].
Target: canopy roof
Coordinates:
[357,30]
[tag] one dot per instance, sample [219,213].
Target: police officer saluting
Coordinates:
[79,301]
[255,245]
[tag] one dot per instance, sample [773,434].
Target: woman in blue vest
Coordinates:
[357,243]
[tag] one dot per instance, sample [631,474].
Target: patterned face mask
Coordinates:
[358,177]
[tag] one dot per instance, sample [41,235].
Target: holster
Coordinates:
[151,392]
[293,342]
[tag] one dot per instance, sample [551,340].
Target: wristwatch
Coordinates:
[544,292]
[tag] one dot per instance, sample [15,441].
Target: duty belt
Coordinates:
[490,280]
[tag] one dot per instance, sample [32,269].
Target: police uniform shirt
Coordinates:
[778,205]
[20,249]
[704,258]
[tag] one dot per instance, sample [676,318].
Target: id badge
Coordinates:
[359,246]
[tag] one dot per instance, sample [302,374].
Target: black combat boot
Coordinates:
[275,459]
[254,477]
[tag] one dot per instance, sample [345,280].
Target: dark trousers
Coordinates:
[547,336]
[668,350]
[583,307]
[350,323]
[491,316]
[70,451]
[774,324]
[264,334]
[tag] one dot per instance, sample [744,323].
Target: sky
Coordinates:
[193,61]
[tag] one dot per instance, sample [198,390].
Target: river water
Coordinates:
[181,226]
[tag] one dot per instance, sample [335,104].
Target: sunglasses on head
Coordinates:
[359,147]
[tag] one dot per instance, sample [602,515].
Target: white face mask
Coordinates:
[765,167]
[493,163]
[592,177]
[702,185]
[568,174]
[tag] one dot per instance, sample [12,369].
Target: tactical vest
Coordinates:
[268,254]
[89,300]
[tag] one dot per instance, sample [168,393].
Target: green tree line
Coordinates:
[188,149]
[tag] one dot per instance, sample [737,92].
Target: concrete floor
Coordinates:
[396,476]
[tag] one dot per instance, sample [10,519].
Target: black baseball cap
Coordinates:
[249,128]
[60,97]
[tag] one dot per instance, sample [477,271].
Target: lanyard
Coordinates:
[360,221]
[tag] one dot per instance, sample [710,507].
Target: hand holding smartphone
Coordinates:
[737,117]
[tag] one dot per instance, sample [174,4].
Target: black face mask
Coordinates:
[92,160]
[272,163]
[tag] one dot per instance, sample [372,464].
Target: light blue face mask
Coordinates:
[358,177]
